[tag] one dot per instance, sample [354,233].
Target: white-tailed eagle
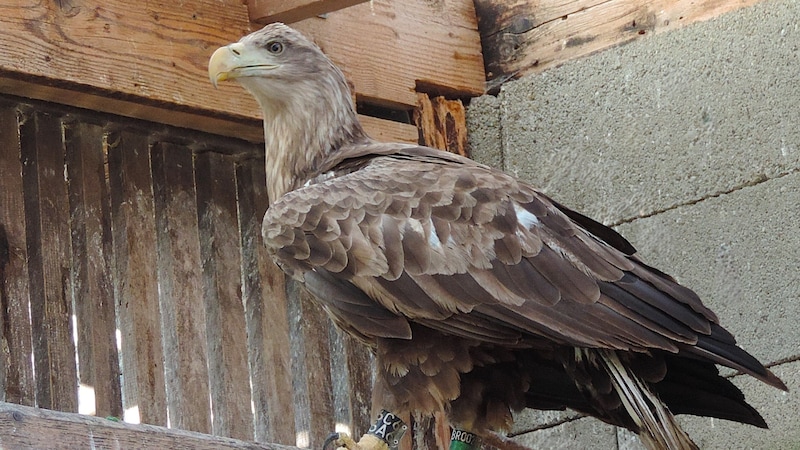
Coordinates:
[477,293]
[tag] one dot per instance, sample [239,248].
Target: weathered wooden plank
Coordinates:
[290,11]
[29,428]
[311,367]
[47,223]
[90,224]
[387,131]
[180,273]
[360,367]
[15,343]
[522,37]
[351,377]
[265,311]
[149,54]
[221,255]
[434,45]
[136,288]
[149,60]
[442,123]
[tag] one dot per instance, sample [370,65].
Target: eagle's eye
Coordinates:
[274,47]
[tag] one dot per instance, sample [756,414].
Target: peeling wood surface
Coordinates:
[522,37]
[148,61]
[290,11]
[24,427]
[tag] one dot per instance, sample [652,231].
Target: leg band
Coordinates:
[389,428]
[464,440]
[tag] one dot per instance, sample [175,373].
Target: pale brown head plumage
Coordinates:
[462,277]
[307,104]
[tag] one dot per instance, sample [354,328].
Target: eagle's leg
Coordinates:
[384,434]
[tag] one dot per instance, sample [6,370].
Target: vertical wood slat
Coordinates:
[15,343]
[311,366]
[221,255]
[90,223]
[133,228]
[181,280]
[351,374]
[360,375]
[266,314]
[47,220]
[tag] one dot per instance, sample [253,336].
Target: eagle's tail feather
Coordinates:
[657,427]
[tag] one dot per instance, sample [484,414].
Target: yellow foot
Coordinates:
[342,441]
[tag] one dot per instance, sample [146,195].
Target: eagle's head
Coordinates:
[305,100]
[276,64]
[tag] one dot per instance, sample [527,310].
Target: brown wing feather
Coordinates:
[440,240]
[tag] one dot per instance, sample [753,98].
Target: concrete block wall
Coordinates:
[688,142]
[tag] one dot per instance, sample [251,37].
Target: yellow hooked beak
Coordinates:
[234,61]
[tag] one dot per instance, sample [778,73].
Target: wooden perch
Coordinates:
[24,427]
[269,11]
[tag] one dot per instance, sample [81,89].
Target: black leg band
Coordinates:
[389,428]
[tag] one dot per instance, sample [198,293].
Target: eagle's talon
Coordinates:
[331,439]
[342,441]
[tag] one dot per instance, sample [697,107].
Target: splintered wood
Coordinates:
[442,123]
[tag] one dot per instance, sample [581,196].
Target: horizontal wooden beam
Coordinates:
[249,128]
[23,427]
[290,11]
[529,36]
[148,60]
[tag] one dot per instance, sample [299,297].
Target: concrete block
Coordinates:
[484,137]
[580,434]
[741,253]
[662,121]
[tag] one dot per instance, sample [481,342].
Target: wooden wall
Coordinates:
[114,229]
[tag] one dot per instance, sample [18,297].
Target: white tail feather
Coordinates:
[658,429]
